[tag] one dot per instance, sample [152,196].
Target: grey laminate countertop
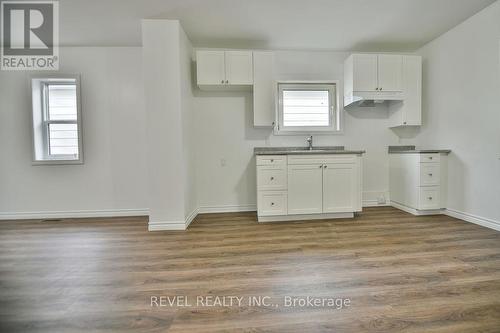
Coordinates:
[412,150]
[305,150]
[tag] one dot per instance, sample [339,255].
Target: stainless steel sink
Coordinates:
[314,150]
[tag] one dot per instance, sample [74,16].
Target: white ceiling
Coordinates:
[347,25]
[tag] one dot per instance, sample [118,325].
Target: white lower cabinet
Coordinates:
[418,182]
[305,189]
[316,186]
[429,198]
[272,203]
[340,187]
[271,178]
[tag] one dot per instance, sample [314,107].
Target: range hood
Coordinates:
[371,99]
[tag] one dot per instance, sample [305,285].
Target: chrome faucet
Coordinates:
[310,142]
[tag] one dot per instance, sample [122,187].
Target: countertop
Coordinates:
[305,151]
[412,150]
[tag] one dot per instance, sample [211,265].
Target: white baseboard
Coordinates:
[73,214]
[166,225]
[191,217]
[482,221]
[375,199]
[173,225]
[374,203]
[227,209]
[416,211]
[281,218]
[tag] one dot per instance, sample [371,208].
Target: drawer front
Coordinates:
[430,158]
[272,160]
[430,174]
[271,178]
[271,203]
[321,159]
[429,198]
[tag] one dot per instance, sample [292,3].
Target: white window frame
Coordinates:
[335,114]
[41,121]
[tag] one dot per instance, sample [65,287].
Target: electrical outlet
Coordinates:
[381,200]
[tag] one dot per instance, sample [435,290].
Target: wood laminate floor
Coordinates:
[401,273]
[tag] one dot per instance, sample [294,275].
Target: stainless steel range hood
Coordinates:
[371,99]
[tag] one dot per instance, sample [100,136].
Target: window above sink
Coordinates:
[307,107]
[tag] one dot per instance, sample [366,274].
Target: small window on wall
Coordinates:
[57,130]
[307,107]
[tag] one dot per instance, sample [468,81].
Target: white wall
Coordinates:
[224,132]
[112,179]
[187,113]
[162,91]
[169,112]
[461,110]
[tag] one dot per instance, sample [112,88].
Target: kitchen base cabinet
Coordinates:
[317,187]
[340,188]
[305,189]
[418,182]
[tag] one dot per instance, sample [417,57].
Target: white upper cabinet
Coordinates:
[377,72]
[218,69]
[365,72]
[409,111]
[210,67]
[239,67]
[390,72]
[264,88]
[394,78]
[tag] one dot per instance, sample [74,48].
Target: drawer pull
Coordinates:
[272,178]
[430,198]
[272,160]
[430,157]
[272,203]
[430,174]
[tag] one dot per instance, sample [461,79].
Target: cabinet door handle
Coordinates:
[430,175]
[430,198]
[272,203]
[376,88]
[227,81]
[324,166]
[272,160]
[320,166]
[272,178]
[430,158]
[222,81]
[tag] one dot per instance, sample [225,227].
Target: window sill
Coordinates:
[57,162]
[312,132]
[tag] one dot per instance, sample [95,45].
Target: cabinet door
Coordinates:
[263,89]
[365,72]
[210,68]
[239,67]
[390,72]
[412,83]
[339,188]
[305,189]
